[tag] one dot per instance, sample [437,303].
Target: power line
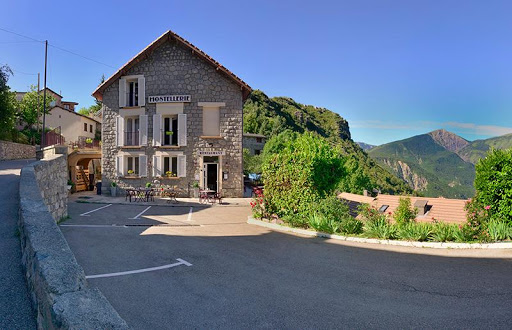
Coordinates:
[84,57]
[21,35]
[59,48]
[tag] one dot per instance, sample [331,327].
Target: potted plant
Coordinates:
[70,185]
[88,140]
[169,174]
[148,184]
[195,186]
[169,132]
[113,189]
[130,173]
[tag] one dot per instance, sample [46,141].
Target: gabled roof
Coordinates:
[98,93]
[254,135]
[75,113]
[41,90]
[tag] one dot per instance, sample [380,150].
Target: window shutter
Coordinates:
[157,166]
[182,166]
[122,92]
[119,166]
[157,130]
[120,131]
[142,92]
[143,166]
[143,130]
[182,130]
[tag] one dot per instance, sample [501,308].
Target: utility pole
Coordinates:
[44,93]
[38,116]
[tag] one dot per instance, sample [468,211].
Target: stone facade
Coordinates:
[173,69]
[11,150]
[254,143]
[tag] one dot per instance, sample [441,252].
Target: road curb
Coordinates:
[432,245]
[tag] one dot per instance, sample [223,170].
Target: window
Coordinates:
[90,128]
[131,131]
[171,165]
[85,127]
[259,140]
[170,131]
[257,152]
[383,208]
[211,121]
[133,94]
[132,165]
[66,106]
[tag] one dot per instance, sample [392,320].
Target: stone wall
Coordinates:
[52,177]
[251,143]
[11,150]
[57,284]
[174,69]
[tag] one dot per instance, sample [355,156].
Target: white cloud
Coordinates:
[487,130]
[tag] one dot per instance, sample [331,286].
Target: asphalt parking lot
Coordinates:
[204,267]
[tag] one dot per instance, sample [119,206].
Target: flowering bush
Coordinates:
[258,204]
[405,212]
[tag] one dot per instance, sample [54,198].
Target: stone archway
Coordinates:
[77,161]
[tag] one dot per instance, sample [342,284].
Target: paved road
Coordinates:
[15,308]
[244,276]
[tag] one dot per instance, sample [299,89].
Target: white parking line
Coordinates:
[189,218]
[86,213]
[180,262]
[141,213]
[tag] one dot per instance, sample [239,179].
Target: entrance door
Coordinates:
[211,174]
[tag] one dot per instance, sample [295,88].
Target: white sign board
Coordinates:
[211,153]
[168,98]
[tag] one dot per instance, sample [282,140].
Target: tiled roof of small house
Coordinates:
[98,93]
[441,209]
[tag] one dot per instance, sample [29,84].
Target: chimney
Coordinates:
[421,205]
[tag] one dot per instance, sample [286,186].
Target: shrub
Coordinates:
[405,212]
[498,230]
[332,208]
[351,226]
[493,184]
[443,232]
[380,228]
[370,214]
[258,205]
[298,172]
[465,233]
[415,231]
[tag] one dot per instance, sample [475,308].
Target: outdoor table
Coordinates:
[170,194]
[207,195]
[141,194]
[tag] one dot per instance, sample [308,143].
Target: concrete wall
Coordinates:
[11,150]
[57,284]
[172,69]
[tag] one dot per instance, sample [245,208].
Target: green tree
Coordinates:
[30,113]
[405,212]
[299,170]
[493,184]
[7,104]
[252,163]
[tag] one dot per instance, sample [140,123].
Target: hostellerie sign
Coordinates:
[168,98]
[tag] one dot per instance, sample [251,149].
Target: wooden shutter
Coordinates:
[122,92]
[182,130]
[143,166]
[143,130]
[142,92]
[120,131]
[157,166]
[157,130]
[182,166]
[119,166]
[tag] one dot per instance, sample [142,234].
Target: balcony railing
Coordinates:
[131,138]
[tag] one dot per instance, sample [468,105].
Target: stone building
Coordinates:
[173,114]
[254,143]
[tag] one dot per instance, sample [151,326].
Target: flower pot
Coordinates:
[113,191]
[196,192]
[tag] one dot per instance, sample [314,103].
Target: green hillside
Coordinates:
[479,148]
[271,116]
[427,166]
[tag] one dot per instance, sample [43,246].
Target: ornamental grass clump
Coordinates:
[415,231]
[498,230]
[376,224]
[444,232]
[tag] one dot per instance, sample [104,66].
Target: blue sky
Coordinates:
[393,69]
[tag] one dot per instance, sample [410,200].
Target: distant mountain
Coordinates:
[479,148]
[365,146]
[439,163]
[271,116]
